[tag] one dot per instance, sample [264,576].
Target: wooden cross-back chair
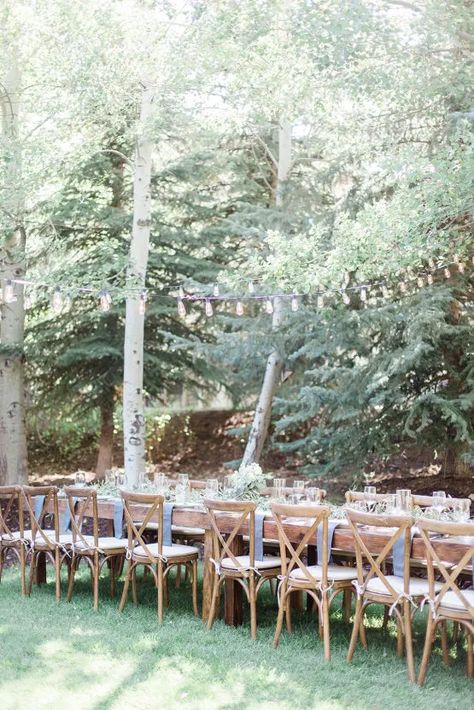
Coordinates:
[11,503]
[419,500]
[448,601]
[400,594]
[289,490]
[95,550]
[44,542]
[321,581]
[250,573]
[141,509]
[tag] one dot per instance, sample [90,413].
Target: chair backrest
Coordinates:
[395,527]
[148,507]
[82,503]
[10,499]
[289,490]
[313,516]
[49,507]
[437,567]
[421,501]
[242,515]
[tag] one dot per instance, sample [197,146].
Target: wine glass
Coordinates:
[278,489]
[212,488]
[229,486]
[370,493]
[161,483]
[313,495]
[80,478]
[404,502]
[298,491]
[390,502]
[439,501]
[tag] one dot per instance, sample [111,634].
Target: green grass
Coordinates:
[66,655]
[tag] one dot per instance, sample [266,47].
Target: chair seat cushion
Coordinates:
[451,600]
[178,529]
[168,551]
[417,587]
[105,543]
[336,573]
[268,562]
[64,538]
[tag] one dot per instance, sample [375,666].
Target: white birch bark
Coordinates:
[13,457]
[263,410]
[133,404]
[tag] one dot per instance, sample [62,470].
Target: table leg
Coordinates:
[234,591]
[208,575]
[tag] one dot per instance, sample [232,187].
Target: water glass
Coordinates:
[462,510]
[390,502]
[142,479]
[80,478]
[278,489]
[403,498]
[370,493]
[229,486]
[161,483]
[313,495]
[439,500]
[212,488]
[120,479]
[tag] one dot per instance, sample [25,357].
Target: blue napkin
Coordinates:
[39,502]
[259,518]
[332,525]
[65,517]
[167,518]
[118,518]
[398,554]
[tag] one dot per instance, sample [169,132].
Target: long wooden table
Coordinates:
[343,541]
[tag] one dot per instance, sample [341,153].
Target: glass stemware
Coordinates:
[80,478]
[390,503]
[212,488]
[298,491]
[370,499]
[161,483]
[439,501]
[403,500]
[278,489]
[313,494]
[182,488]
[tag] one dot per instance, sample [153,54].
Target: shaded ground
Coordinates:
[200,443]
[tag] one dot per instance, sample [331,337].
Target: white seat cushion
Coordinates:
[451,600]
[105,543]
[178,529]
[64,538]
[336,573]
[268,562]
[417,587]
[167,551]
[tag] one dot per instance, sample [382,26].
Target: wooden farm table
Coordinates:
[343,541]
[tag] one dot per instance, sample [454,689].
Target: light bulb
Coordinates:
[9,292]
[142,303]
[181,308]
[269,306]
[363,294]
[403,287]
[294,303]
[420,283]
[320,300]
[216,290]
[456,258]
[239,308]
[57,300]
[251,287]
[431,263]
[430,279]
[447,273]
[461,267]
[209,309]
[345,297]
[105,301]
[347,278]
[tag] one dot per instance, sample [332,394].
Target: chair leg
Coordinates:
[134,586]
[289,625]
[212,610]
[470,657]
[386,617]
[281,614]
[253,607]
[57,571]
[347,605]
[32,575]
[444,642]
[178,576]
[70,578]
[23,569]
[2,553]
[161,582]
[123,599]
[409,641]
[399,638]
[429,638]
[194,568]
[358,620]
[326,636]
[112,569]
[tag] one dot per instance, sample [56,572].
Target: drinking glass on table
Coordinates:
[120,479]
[212,488]
[313,495]
[370,497]
[439,501]
[403,500]
[229,486]
[462,510]
[278,489]
[161,483]
[182,488]
[390,502]
[80,478]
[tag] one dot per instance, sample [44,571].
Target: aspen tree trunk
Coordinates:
[13,457]
[263,411]
[133,404]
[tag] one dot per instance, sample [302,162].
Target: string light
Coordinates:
[294,303]
[251,287]
[181,308]
[320,300]
[345,298]
[57,300]
[216,290]
[461,267]
[363,294]
[208,308]
[9,292]
[142,303]
[447,273]
[239,308]
[431,263]
[403,286]
[269,306]
[419,282]
[430,279]
[105,301]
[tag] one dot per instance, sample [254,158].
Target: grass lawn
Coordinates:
[66,656]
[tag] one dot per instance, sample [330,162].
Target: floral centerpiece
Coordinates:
[247,482]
